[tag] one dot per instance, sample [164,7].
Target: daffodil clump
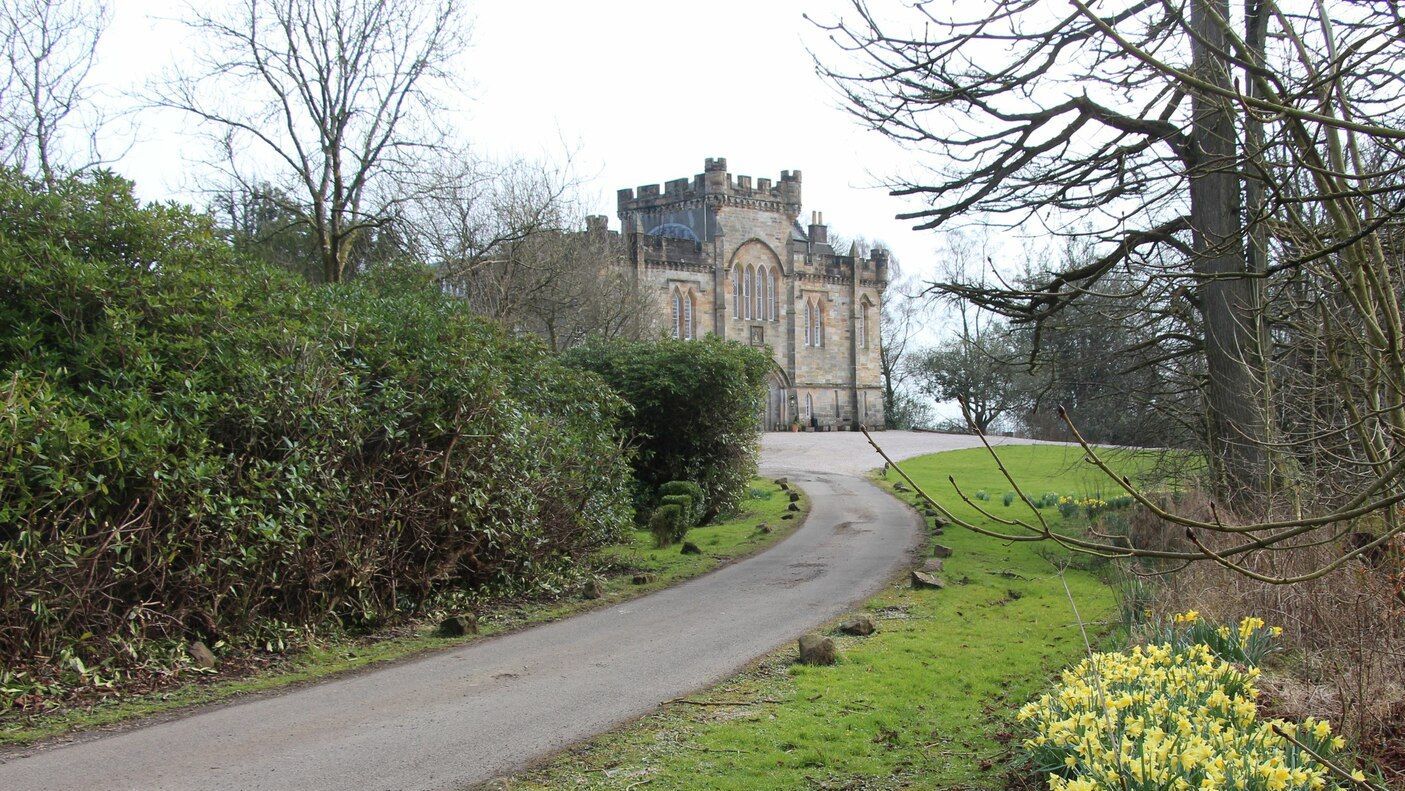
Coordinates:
[1248,643]
[1170,719]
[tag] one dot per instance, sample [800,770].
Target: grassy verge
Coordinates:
[924,703]
[721,543]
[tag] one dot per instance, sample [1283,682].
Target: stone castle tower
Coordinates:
[727,256]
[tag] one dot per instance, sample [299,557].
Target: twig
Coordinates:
[1332,765]
[724,702]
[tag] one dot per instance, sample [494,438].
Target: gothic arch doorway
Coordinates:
[775,412]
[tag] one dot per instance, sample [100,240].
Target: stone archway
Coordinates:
[776,413]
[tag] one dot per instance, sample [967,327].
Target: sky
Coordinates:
[636,92]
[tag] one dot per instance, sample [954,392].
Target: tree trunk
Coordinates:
[1227,294]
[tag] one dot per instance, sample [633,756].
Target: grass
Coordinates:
[924,703]
[735,537]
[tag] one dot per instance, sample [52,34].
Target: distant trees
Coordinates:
[331,101]
[49,48]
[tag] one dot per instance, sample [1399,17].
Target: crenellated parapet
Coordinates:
[711,189]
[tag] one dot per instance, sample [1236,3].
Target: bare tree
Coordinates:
[904,308]
[330,100]
[505,237]
[1242,167]
[45,95]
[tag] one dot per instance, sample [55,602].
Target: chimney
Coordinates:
[819,233]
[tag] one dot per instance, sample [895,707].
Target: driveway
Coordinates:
[458,717]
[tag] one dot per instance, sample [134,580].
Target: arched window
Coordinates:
[746,293]
[772,298]
[736,292]
[809,406]
[684,326]
[814,322]
[760,281]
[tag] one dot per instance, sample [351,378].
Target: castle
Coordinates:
[725,256]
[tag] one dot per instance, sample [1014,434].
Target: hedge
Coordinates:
[694,415]
[195,446]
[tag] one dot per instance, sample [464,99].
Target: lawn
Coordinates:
[924,703]
[736,536]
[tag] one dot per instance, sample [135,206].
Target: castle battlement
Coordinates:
[715,183]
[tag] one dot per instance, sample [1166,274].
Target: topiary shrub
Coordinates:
[694,412]
[685,506]
[690,490]
[668,525]
[197,446]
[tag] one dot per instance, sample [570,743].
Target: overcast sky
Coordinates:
[641,92]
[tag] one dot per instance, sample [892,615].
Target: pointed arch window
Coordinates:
[736,292]
[747,277]
[773,311]
[814,322]
[760,297]
[684,323]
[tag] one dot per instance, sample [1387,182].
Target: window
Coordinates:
[745,312]
[772,298]
[864,405]
[836,406]
[684,327]
[809,406]
[760,312]
[814,322]
[736,292]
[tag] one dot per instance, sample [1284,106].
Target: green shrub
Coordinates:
[1007,498]
[668,525]
[982,495]
[200,446]
[685,505]
[694,412]
[694,492]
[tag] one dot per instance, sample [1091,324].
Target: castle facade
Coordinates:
[723,255]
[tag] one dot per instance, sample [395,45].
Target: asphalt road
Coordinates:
[458,717]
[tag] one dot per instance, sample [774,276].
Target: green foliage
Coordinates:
[668,525]
[1248,643]
[686,507]
[694,411]
[1007,498]
[698,500]
[199,446]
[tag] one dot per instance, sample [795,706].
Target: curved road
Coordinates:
[458,717]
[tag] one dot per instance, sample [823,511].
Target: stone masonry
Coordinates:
[728,256]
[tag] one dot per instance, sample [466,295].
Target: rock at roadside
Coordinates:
[940,551]
[784,483]
[932,565]
[899,487]
[689,548]
[787,516]
[860,625]
[795,497]
[816,649]
[930,513]
[763,528]
[792,507]
[458,626]
[643,578]
[201,655]
[922,579]
[593,590]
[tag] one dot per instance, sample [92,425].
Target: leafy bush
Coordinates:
[1007,498]
[690,490]
[1161,717]
[668,525]
[200,447]
[685,506]
[694,411]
